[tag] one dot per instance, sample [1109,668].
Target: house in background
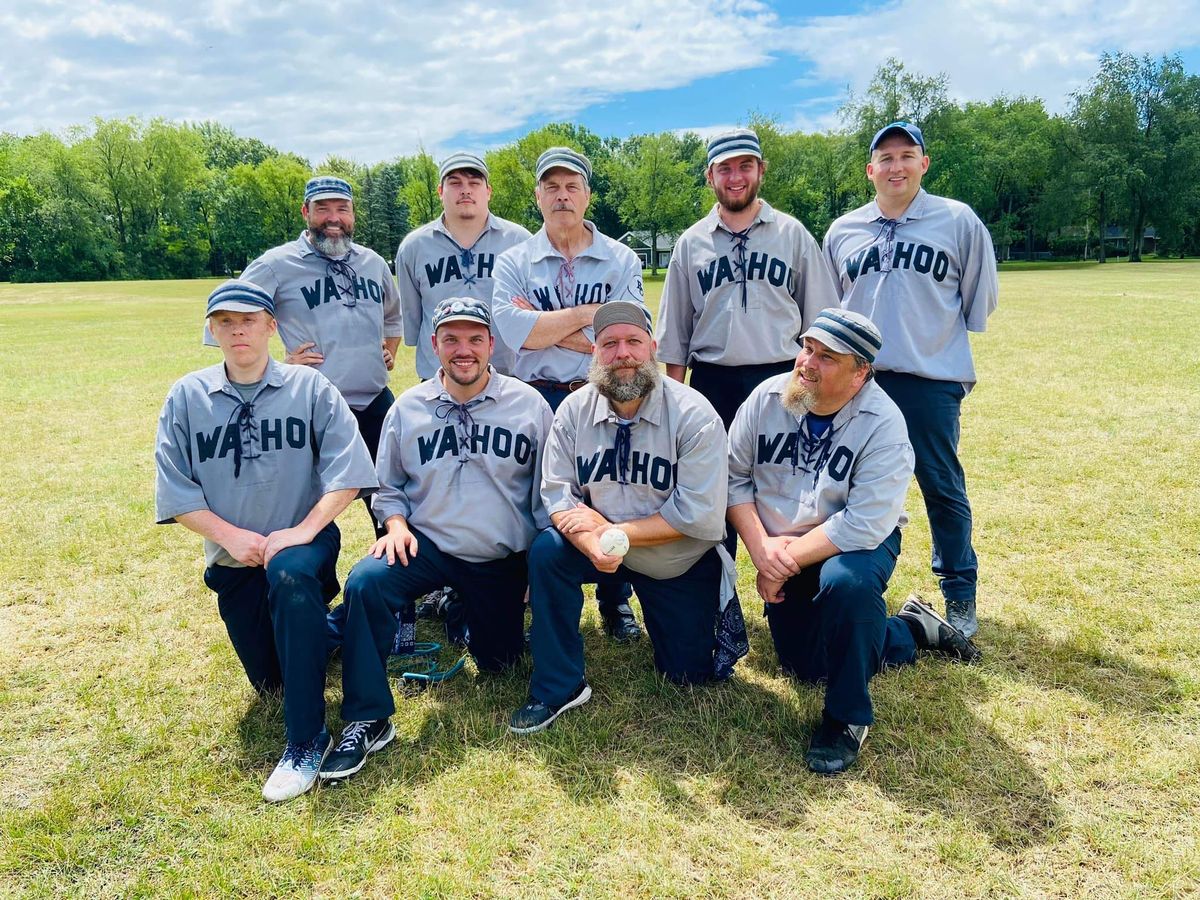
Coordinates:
[639,243]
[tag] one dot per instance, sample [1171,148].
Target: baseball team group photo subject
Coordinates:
[843,549]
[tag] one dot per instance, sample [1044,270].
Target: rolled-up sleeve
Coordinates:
[176,491]
[878,486]
[696,507]
[513,324]
[541,518]
[391,500]
[741,452]
[560,485]
[978,284]
[393,318]
[343,460]
[675,318]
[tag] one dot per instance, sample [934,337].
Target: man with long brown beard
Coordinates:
[819,466]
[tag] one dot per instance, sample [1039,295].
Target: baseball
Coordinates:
[614,542]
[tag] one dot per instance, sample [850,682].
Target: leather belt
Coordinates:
[568,386]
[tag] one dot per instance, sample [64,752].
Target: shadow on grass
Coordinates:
[741,744]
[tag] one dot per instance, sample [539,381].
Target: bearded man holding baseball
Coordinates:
[636,463]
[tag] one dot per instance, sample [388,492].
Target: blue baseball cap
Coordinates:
[843,331]
[462,309]
[326,186]
[908,129]
[237,295]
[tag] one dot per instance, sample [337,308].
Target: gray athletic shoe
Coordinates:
[961,614]
[934,633]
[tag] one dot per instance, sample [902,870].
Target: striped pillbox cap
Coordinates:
[739,142]
[843,331]
[237,295]
[462,160]
[325,186]
[564,158]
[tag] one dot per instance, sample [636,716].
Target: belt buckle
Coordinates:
[575,385]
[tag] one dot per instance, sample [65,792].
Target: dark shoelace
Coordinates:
[740,240]
[298,754]
[466,425]
[816,450]
[564,282]
[621,447]
[242,418]
[344,278]
[887,231]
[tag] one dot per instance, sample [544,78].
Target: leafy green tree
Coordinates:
[654,189]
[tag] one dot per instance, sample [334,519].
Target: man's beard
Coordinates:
[605,378]
[334,248]
[797,397]
[738,205]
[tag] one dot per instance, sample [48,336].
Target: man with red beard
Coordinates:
[742,282]
[819,465]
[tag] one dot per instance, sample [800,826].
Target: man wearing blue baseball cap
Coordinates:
[923,268]
[259,458]
[819,465]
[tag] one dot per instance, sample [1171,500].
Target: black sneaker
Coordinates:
[430,606]
[934,633]
[536,715]
[358,739]
[619,623]
[834,746]
[961,614]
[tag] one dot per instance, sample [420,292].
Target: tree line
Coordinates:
[124,198]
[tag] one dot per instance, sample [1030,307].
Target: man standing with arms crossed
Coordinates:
[923,269]
[742,282]
[453,256]
[546,293]
[819,466]
[259,458]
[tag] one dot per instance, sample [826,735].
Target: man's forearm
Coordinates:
[552,327]
[392,344]
[576,341]
[208,524]
[679,373]
[812,548]
[650,531]
[328,508]
[745,521]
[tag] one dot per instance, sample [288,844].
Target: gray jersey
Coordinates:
[261,465]
[854,483]
[431,266]
[606,270]
[676,466]
[738,299]
[348,326]
[469,479]
[925,281]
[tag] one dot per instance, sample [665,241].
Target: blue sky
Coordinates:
[372,81]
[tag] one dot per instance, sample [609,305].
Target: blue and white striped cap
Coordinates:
[739,142]
[237,295]
[462,309]
[325,186]
[564,158]
[843,331]
[462,160]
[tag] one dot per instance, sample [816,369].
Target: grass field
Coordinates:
[132,750]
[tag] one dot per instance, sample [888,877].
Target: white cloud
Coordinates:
[1034,47]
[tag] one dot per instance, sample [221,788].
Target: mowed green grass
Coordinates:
[132,750]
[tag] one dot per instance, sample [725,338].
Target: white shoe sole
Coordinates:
[382,741]
[584,696]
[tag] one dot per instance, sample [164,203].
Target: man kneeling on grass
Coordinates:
[647,456]
[259,458]
[819,465]
[459,471]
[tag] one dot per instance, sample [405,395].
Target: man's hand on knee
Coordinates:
[282,539]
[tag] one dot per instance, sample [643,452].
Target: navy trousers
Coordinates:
[370,426]
[275,618]
[931,410]
[680,616]
[493,594]
[833,626]
[610,594]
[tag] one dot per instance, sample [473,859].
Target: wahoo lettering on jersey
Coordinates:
[492,440]
[325,290]
[465,267]
[920,258]
[598,292]
[661,474]
[759,267]
[802,455]
[268,435]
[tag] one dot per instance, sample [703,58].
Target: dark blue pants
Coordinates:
[726,388]
[680,616]
[931,410]
[833,626]
[370,426]
[275,618]
[493,594]
[612,594]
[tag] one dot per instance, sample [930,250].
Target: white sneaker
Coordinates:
[297,770]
